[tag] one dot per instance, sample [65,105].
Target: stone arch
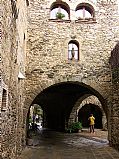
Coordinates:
[86,7]
[91,99]
[14,9]
[61,4]
[78,40]
[76,50]
[90,3]
[85,112]
[45,100]
[82,101]
[36,89]
[88,99]
[27,2]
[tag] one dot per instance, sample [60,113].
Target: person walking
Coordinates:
[91,123]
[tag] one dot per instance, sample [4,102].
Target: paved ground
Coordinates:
[83,145]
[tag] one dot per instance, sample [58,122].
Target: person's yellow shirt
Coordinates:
[92,119]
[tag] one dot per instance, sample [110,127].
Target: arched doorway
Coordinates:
[58,100]
[85,112]
[34,118]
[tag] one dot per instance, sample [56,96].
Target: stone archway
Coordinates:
[61,98]
[88,100]
[36,88]
[84,113]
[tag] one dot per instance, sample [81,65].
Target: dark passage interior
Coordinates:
[58,100]
[85,112]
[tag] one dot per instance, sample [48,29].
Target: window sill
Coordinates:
[60,20]
[88,20]
[72,61]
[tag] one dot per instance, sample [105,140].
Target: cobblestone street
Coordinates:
[54,145]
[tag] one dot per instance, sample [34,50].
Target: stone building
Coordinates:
[13,56]
[55,63]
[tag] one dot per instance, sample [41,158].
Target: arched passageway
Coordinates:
[35,117]
[57,102]
[88,109]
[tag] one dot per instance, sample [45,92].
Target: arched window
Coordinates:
[84,11]
[4,96]
[27,2]
[73,50]
[14,9]
[59,10]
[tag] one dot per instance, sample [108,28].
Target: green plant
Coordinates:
[30,119]
[60,15]
[74,127]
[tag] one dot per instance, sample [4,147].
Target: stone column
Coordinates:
[104,122]
[114,119]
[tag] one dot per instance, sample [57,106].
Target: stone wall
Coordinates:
[114,111]
[13,27]
[88,100]
[44,61]
[47,47]
[47,57]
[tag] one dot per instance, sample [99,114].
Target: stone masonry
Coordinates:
[47,47]
[34,56]
[89,100]
[12,51]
